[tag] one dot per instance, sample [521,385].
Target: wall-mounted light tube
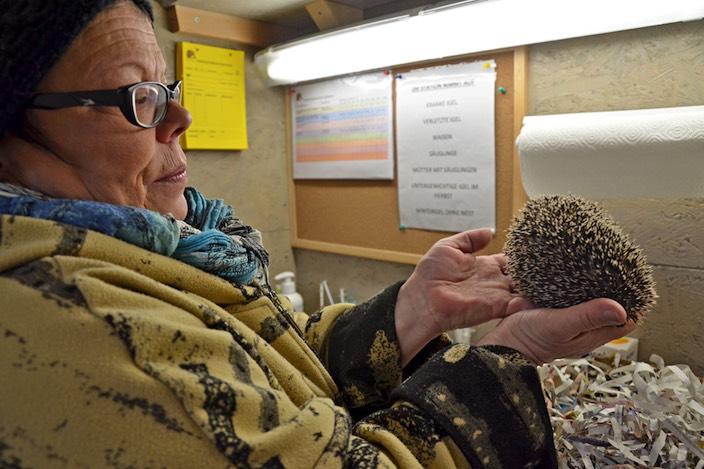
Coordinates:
[459,29]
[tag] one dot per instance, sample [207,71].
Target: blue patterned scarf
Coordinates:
[210,238]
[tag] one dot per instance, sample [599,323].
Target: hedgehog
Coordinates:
[563,250]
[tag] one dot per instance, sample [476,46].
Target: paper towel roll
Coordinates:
[643,153]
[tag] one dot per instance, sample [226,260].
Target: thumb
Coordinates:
[470,241]
[588,316]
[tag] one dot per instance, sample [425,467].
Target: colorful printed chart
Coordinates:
[342,128]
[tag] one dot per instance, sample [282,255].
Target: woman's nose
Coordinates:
[177,120]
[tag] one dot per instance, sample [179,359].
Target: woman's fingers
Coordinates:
[586,326]
[469,241]
[518,304]
[544,334]
[502,261]
[590,315]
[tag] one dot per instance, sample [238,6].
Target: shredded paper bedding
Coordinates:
[625,414]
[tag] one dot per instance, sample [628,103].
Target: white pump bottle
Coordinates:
[288,289]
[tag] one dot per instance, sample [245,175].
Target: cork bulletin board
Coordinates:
[361,218]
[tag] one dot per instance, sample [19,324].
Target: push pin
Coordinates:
[399,76]
[502,90]
[487,64]
[402,227]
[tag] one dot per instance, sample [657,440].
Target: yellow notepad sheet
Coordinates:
[214,93]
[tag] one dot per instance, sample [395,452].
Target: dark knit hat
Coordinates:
[34,34]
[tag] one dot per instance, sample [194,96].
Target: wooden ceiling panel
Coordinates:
[292,13]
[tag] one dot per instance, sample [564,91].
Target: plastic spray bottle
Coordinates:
[287,287]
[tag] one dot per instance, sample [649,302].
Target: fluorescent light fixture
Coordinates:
[459,29]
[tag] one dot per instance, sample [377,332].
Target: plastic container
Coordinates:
[287,287]
[462,336]
[627,347]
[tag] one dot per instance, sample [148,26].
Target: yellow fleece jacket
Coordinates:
[113,356]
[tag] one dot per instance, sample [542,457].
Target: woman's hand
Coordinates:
[452,288]
[544,334]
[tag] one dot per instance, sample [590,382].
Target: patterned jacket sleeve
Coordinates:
[488,400]
[358,346]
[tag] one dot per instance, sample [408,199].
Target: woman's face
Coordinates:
[94,153]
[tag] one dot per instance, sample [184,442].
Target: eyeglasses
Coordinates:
[144,104]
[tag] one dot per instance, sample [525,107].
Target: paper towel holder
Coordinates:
[648,153]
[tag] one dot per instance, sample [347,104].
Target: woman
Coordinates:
[138,328]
